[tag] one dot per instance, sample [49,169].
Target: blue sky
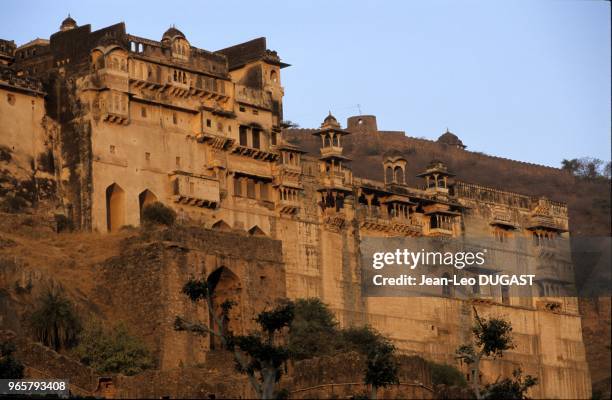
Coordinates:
[528,80]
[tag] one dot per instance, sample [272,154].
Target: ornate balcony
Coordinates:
[195,190]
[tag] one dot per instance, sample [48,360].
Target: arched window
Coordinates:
[388,175]
[398,175]
[273,76]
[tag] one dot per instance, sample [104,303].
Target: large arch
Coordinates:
[115,207]
[145,198]
[225,288]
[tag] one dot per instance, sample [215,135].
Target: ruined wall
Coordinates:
[143,286]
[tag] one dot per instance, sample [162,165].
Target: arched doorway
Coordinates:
[225,287]
[144,199]
[115,207]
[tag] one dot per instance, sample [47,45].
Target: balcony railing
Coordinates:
[195,190]
[375,220]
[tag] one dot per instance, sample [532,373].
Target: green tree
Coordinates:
[490,338]
[314,330]
[381,366]
[258,355]
[10,368]
[514,388]
[570,166]
[112,351]
[444,374]
[55,322]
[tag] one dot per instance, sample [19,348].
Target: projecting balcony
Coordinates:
[375,220]
[335,180]
[329,151]
[195,190]
[547,222]
[440,232]
[288,206]
[113,79]
[219,142]
[257,154]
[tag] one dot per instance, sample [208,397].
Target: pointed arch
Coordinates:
[256,231]
[225,288]
[145,198]
[221,226]
[115,207]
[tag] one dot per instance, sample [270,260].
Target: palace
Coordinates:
[97,124]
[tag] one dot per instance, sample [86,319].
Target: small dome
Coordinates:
[451,139]
[330,120]
[172,33]
[68,24]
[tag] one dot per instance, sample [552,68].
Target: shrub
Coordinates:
[10,368]
[55,322]
[159,214]
[361,339]
[13,203]
[5,154]
[444,374]
[112,351]
[63,223]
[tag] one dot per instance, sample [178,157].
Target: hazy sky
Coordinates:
[528,80]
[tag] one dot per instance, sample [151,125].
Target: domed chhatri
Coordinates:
[330,121]
[68,24]
[451,139]
[173,33]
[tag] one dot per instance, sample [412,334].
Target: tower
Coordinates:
[336,178]
[436,177]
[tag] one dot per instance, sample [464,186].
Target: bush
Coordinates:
[9,367]
[55,322]
[159,214]
[444,374]
[112,351]
[361,339]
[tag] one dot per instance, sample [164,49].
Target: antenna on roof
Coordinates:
[359,108]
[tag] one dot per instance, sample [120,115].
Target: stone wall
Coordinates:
[142,286]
